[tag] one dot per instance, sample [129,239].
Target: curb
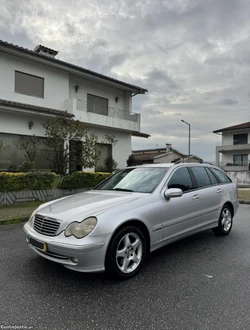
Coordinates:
[13,221]
[241,201]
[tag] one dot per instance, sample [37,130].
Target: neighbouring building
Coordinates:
[35,85]
[233,156]
[234,153]
[163,155]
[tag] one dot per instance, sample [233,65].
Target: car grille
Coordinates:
[46,226]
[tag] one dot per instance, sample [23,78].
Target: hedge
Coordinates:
[26,181]
[86,180]
[47,180]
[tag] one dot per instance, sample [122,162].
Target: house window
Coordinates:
[28,84]
[240,160]
[97,104]
[104,151]
[241,138]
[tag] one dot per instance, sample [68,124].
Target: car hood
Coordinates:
[78,207]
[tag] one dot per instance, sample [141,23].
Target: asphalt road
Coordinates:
[200,283]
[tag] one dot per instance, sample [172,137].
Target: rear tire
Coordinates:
[126,253]
[225,222]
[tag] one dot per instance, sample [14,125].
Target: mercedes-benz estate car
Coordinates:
[135,211]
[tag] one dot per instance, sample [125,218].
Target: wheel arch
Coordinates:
[136,223]
[230,205]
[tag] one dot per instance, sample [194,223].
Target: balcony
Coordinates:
[228,167]
[110,117]
[225,148]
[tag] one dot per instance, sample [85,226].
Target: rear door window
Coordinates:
[201,176]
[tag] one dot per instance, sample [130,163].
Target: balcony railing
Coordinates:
[83,105]
[232,147]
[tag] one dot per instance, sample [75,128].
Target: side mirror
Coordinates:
[173,192]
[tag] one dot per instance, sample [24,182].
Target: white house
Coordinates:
[234,153]
[35,85]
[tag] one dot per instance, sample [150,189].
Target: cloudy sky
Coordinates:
[193,56]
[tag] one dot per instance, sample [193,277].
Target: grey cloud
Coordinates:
[192,56]
[229,102]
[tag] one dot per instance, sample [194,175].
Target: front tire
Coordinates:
[126,253]
[225,222]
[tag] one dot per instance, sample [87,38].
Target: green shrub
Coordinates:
[26,181]
[86,180]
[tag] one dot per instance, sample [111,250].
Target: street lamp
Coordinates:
[189,126]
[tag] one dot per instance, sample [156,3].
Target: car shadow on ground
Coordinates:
[178,255]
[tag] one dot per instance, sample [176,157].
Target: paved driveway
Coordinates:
[202,283]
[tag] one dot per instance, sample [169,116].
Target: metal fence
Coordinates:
[84,105]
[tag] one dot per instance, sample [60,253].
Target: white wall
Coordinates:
[59,87]
[12,122]
[122,149]
[239,177]
[227,137]
[56,83]
[94,88]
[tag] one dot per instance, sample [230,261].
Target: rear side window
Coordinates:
[201,176]
[222,177]
[212,177]
[181,179]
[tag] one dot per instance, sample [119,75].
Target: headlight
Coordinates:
[81,229]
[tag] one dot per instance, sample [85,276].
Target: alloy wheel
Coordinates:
[129,252]
[226,220]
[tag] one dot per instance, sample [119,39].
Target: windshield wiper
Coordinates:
[121,189]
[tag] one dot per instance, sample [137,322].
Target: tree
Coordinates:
[59,132]
[110,164]
[31,146]
[131,161]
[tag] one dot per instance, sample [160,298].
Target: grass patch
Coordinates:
[244,194]
[13,221]
[22,205]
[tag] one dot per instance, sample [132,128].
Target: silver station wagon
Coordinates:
[135,211]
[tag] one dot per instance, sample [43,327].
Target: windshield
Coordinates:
[135,179]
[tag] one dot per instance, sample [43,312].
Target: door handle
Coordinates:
[219,190]
[196,196]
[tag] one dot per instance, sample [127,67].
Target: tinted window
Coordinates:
[240,160]
[28,84]
[212,177]
[201,176]
[240,138]
[222,177]
[97,104]
[181,179]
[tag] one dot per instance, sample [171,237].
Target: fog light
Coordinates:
[74,260]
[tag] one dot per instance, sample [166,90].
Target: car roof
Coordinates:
[168,165]
[155,165]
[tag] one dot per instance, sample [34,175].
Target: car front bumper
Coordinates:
[85,255]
